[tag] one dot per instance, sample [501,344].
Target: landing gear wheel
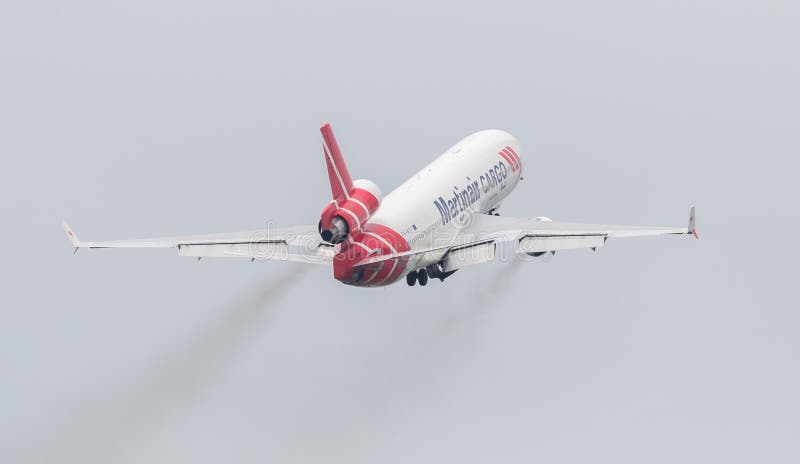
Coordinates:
[422,276]
[411,278]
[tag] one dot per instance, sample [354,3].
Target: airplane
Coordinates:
[444,218]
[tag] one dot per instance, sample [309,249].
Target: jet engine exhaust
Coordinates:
[338,231]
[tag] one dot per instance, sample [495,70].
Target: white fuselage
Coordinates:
[472,177]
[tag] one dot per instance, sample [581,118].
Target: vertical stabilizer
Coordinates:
[339,176]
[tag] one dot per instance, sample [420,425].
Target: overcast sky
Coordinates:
[136,119]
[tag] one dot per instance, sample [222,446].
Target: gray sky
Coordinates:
[158,118]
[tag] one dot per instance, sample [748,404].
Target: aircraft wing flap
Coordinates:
[467,255]
[280,251]
[542,243]
[277,250]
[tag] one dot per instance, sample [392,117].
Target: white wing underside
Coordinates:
[298,244]
[478,241]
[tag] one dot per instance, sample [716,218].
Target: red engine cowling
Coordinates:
[347,215]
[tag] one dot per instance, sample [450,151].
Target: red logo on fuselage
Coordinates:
[512,158]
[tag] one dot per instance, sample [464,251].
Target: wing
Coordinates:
[477,242]
[540,235]
[298,244]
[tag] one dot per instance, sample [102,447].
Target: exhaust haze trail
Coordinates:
[112,425]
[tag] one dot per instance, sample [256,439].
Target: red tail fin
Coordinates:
[341,182]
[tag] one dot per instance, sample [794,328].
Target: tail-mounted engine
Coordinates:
[346,217]
[354,202]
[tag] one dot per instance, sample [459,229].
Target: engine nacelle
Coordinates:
[346,216]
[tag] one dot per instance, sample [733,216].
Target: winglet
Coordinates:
[692,228]
[72,237]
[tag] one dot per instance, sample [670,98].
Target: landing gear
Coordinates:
[431,272]
[414,276]
[422,277]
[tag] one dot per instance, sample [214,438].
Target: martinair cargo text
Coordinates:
[440,220]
